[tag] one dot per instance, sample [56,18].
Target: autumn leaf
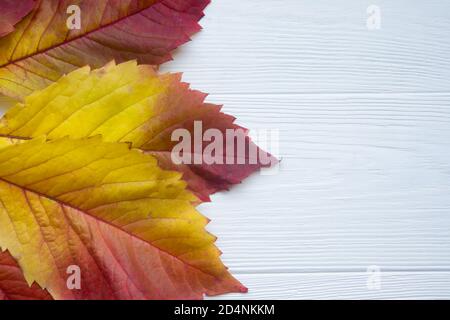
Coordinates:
[12,11]
[111,211]
[13,285]
[132,103]
[43,47]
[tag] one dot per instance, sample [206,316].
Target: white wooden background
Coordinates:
[364,120]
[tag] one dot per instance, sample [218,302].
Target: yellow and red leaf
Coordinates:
[13,285]
[132,103]
[129,226]
[43,47]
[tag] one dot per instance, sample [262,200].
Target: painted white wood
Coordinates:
[364,139]
[364,180]
[341,285]
[319,46]
[364,136]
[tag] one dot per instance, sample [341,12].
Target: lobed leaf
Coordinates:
[131,103]
[43,48]
[128,225]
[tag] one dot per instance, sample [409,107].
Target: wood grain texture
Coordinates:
[362,181]
[319,46]
[364,139]
[341,285]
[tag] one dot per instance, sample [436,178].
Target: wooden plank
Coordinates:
[364,180]
[311,46]
[392,285]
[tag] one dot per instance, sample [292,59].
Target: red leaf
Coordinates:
[13,285]
[12,12]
